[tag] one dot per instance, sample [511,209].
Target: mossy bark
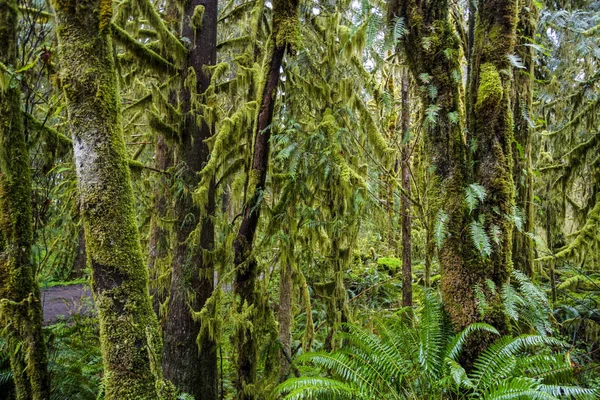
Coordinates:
[190,361]
[523,246]
[159,240]
[20,306]
[283,36]
[432,48]
[285,318]
[407,300]
[130,341]
[492,129]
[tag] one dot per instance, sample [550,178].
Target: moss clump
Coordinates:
[489,93]
[197,17]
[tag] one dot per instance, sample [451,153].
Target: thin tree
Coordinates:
[20,307]
[283,35]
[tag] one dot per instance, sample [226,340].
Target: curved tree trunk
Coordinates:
[285,18]
[130,341]
[20,306]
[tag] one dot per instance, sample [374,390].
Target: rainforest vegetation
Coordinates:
[299,199]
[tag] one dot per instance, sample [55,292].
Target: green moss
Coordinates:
[129,336]
[490,91]
[197,17]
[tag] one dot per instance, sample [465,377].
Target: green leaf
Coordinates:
[474,194]
[481,241]
[439,233]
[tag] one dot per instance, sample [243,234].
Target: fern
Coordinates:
[474,194]
[419,359]
[441,223]
[480,239]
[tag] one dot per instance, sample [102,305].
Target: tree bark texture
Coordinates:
[285,20]
[405,202]
[491,127]
[190,359]
[444,139]
[523,246]
[285,318]
[20,306]
[159,240]
[489,119]
[130,341]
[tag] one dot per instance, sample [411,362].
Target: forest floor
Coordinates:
[62,302]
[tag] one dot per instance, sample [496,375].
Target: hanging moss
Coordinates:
[197,17]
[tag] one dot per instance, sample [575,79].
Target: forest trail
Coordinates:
[65,301]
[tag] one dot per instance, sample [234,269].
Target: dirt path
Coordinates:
[62,302]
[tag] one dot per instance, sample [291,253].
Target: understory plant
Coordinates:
[419,358]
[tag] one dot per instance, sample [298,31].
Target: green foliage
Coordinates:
[474,194]
[440,229]
[420,359]
[480,239]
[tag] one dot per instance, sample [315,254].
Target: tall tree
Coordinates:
[492,136]
[130,342]
[405,201]
[523,246]
[20,306]
[283,36]
[190,366]
[471,267]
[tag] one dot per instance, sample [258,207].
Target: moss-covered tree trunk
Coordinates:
[437,65]
[405,202]
[192,366]
[20,306]
[433,53]
[492,130]
[130,341]
[283,35]
[159,240]
[523,246]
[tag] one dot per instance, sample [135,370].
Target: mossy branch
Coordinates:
[176,49]
[42,127]
[149,57]
[168,131]
[35,12]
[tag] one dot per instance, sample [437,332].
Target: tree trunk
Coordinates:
[489,120]
[444,139]
[492,130]
[285,318]
[130,341]
[190,358]
[523,246]
[405,202]
[20,306]
[159,238]
[80,261]
[285,18]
